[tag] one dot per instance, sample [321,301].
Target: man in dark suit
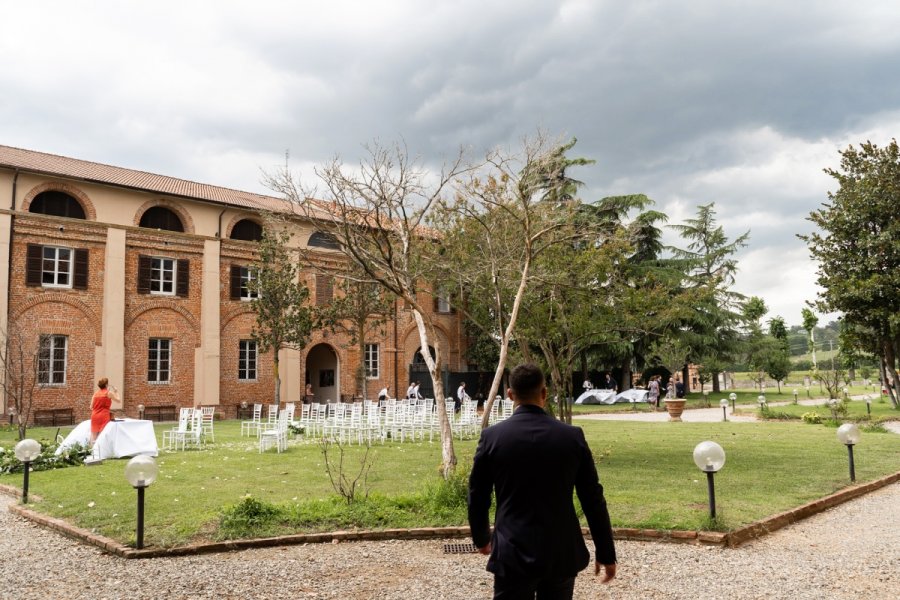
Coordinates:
[534,462]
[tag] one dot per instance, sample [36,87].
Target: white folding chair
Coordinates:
[252,426]
[276,436]
[174,436]
[209,413]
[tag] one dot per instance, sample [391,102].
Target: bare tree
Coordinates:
[502,218]
[377,215]
[21,358]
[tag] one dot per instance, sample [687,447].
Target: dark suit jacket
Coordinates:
[534,462]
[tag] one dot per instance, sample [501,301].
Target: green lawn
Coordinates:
[882,410]
[646,469]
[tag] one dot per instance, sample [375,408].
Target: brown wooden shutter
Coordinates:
[236,282]
[324,289]
[80,280]
[33,268]
[184,278]
[143,274]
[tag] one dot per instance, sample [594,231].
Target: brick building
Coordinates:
[112,272]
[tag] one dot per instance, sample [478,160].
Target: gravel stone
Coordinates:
[849,552]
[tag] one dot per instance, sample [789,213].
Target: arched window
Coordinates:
[247,230]
[160,217]
[57,204]
[320,239]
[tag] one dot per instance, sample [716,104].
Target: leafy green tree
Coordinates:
[778,330]
[778,363]
[498,224]
[283,318]
[857,250]
[710,265]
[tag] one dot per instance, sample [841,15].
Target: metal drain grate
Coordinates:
[460,549]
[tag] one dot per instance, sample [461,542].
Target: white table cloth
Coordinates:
[597,396]
[118,439]
[633,395]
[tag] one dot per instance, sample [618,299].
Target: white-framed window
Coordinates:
[247,355]
[159,360]
[56,267]
[52,358]
[371,361]
[162,275]
[249,276]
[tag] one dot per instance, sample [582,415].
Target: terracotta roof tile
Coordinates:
[62,166]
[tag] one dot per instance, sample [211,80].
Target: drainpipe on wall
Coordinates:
[396,349]
[219,231]
[12,222]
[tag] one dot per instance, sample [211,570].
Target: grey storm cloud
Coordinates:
[738,103]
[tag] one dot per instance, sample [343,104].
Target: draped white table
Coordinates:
[129,437]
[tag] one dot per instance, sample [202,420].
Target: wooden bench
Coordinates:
[54,416]
[161,413]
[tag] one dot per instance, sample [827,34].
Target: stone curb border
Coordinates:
[731,539]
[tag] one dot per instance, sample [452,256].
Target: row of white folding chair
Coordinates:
[188,431]
[466,423]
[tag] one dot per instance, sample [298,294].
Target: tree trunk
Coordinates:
[812,347]
[584,365]
[686,378]
[888,374]
[277,377]
[448,455]
[363,376]
[505,336]
[716,388]
[625,384]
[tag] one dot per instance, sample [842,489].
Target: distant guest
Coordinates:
[101,406]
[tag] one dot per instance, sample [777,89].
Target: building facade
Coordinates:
[142,278]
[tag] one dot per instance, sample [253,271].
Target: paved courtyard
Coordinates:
[850,552]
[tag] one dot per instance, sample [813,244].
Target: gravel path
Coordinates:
[849,552]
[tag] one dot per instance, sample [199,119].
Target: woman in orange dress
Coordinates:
[100,408]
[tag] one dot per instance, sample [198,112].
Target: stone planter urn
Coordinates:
[675,407]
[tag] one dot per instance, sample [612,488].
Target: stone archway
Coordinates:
[323,372]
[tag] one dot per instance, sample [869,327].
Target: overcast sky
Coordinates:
[738,103]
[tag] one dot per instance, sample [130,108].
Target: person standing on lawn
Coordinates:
[101,404]
[533,462]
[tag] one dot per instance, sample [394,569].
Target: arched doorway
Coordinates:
[418,371]
[323,372]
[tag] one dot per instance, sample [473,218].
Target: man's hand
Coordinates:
[486,550]
[609,571]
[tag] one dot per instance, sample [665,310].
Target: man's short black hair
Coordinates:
[527,381]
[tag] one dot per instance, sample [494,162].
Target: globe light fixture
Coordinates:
[807,390]
[26,451]
[141,412]
[733,397]
[869,406]
[762,402]
[848,434]
[709,458]
[795,395]
[724,404]
[141,472]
